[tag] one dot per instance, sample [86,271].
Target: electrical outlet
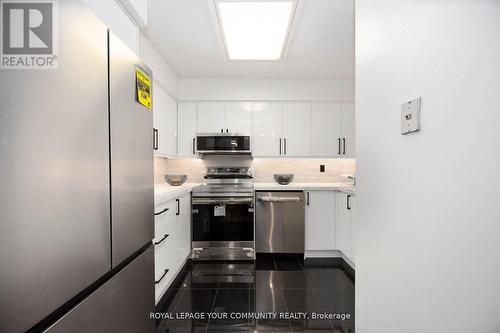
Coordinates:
[321,168]
[410,116]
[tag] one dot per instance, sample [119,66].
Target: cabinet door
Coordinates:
[352,205]
[344,227]
[320,220]
[348,130]
[210,117]
[186,114]
[297,129]
[183,227]
[238,117]
[165,121]
[325,124]
[266,129]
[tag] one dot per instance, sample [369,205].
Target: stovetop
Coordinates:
[226,181]
[229,173]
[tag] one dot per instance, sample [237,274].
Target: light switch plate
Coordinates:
[410,116]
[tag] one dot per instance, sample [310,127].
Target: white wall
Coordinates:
[116,19]
[162,72]
[114,14]
[428,205]
[266,89]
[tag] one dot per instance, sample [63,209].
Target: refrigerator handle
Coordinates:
[162,276]
[178,212]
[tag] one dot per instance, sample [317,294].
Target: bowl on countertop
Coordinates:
[175,180]
[283,178]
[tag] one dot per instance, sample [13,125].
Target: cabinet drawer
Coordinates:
[165,259]
[164,221]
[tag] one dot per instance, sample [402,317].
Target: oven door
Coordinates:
[223,219]
[223,144]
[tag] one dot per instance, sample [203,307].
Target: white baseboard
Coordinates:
[327,254]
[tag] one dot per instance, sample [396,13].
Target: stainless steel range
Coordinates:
[223,215]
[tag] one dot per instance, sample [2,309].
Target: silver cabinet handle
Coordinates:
[284,146]
[280,146]
[344,145]
[339,146]
[348,202]
[307,193]
[279,199]
[194,145]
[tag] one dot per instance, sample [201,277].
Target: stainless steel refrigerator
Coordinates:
[76,188]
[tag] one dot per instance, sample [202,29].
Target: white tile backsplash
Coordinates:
[304,169]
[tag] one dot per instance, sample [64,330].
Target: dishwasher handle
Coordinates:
[279,199]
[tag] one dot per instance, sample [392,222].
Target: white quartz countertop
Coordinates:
[165,192]
[348,188]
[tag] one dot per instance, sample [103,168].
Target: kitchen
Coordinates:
[235,141]
[246,166]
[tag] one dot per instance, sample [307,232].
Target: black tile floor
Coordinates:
[268,285]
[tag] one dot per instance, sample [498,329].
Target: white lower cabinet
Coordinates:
[172,240]
[329,224]
[320,221]
[344,227]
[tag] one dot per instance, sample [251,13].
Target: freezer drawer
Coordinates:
[121,305]
[279,222]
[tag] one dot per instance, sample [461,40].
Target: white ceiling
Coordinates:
[321,46]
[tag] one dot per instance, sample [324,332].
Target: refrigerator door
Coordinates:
[122,304]
[54,174]
[132,194]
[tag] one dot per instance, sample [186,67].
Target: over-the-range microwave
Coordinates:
[223,144]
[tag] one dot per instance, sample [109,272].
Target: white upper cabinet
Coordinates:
[325,124]
[296,129]
[348,130]
[320,221]
[210,117]
[288,129]
[238,117]
[165,122]
[266,129]
[186,113]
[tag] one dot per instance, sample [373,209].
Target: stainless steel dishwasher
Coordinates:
[279,222]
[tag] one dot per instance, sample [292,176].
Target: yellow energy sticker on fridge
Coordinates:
[143,82]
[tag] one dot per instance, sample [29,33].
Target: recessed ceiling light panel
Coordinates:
[255,30]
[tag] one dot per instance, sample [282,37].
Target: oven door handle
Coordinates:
[279,199]
[207,201]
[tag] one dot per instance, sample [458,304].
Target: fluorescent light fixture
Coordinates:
[255,30]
